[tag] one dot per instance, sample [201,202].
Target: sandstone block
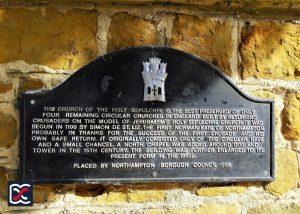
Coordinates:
[271,50]
[5,86]
[222,190]
[270,96]
[3,182]
[264,94]
[286,173]
[43,193]
[291,117]
[114,197]
[29,83]
[209,208]
[209,39]
[219,208]
[48,37]
[8,130]
[146,195]
[275,209]
[113,194]
[139,193]
[126,31]
[6,175]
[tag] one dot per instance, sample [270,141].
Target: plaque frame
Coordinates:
[153,179]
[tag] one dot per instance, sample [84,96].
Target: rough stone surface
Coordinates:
[3,182]
[221,190]
[29,83]
[5,86]
[219,208]
[48,37]
[271,50]
[127,31]
[6,175]
[249,8]
[146,195]
[291,117]
[114,197]
[207,38]
[263,94]
[275,209]
[286,176]
[205,208]
[8,130]
[99,194]
[133,194]
[43,193]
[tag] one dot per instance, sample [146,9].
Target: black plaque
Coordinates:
[145,114]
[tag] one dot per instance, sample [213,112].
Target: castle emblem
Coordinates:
[154,75]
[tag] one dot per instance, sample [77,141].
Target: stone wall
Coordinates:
[44,42]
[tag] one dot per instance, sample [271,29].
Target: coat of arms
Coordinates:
[154,75]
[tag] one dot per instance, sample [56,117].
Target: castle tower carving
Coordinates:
[154,75]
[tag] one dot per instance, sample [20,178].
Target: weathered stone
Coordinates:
[29,83]
[155,211]
[114,195]
[278,8]
[219,208]
[127,31]
[6,175]
[171,211]
[3,182]
[8,130]
[222,190]
[271,96]
[214,3]
[5,86]
[275,209]
[271,50]
[207,38]
[291,117]
[146,195]
[135,194]
[286,176]
[216,208]
[48,37]
[264,94]
[43,193]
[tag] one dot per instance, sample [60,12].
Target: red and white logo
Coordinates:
[19,194]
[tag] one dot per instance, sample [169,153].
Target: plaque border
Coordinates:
[116,181]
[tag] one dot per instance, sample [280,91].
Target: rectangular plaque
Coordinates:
[145,114]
